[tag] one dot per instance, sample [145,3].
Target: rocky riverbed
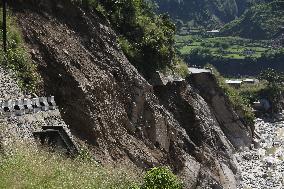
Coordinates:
[262,167]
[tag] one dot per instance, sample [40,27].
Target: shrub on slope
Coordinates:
[146,38]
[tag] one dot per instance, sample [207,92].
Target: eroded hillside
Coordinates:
[124,119]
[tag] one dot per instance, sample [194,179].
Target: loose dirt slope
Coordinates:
[108,104]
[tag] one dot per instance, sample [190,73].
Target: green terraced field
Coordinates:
[226,47]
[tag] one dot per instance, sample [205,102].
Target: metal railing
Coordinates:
[20,107]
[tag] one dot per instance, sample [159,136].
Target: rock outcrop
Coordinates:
[231,123]
[205,140]
[111,107]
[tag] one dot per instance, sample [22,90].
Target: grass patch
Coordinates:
[29,168]
[26,168]
[224,47]
[252,92]
[181,68]
[16,58]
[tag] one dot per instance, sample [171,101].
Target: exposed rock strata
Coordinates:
[231,123]
[108,104]
[207,143]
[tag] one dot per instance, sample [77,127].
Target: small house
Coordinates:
[249,81]
[234,83]
[193,70]
[213,32]
[248,52]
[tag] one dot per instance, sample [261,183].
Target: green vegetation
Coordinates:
[202,13]
[221,47]
[147,39]
[251,92]
[270,87]
[248,56]
[30,168]
[17,58]
[274,88]
[161,178]
[262,21]
[240,103]
[39,169]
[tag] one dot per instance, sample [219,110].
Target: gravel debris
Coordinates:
[18,129]
[262,167]
[9,88]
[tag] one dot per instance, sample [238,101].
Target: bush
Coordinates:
[274,90]
[161,178]
[146,39]
[181,68]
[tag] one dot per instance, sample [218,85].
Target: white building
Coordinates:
[234,83]
[198,70]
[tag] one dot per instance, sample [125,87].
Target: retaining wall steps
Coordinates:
[56,137]
[19,107]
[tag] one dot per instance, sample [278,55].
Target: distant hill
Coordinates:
[261,21]
[209,14]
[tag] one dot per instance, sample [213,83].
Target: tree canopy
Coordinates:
[146,38]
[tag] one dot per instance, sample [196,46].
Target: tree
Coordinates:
[161,178]
[274,90]
[273,77]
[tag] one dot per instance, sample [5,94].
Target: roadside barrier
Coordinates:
[19,107]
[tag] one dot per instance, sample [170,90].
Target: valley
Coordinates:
[252,38]
[232,56]
[138,94]
[225,47]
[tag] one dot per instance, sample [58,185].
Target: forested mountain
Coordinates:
[261,21]
[207,13]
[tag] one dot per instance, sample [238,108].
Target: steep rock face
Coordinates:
[229,121]
[108,104]
[210,145]
[103,98]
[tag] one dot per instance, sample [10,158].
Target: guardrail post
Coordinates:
[4,26]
